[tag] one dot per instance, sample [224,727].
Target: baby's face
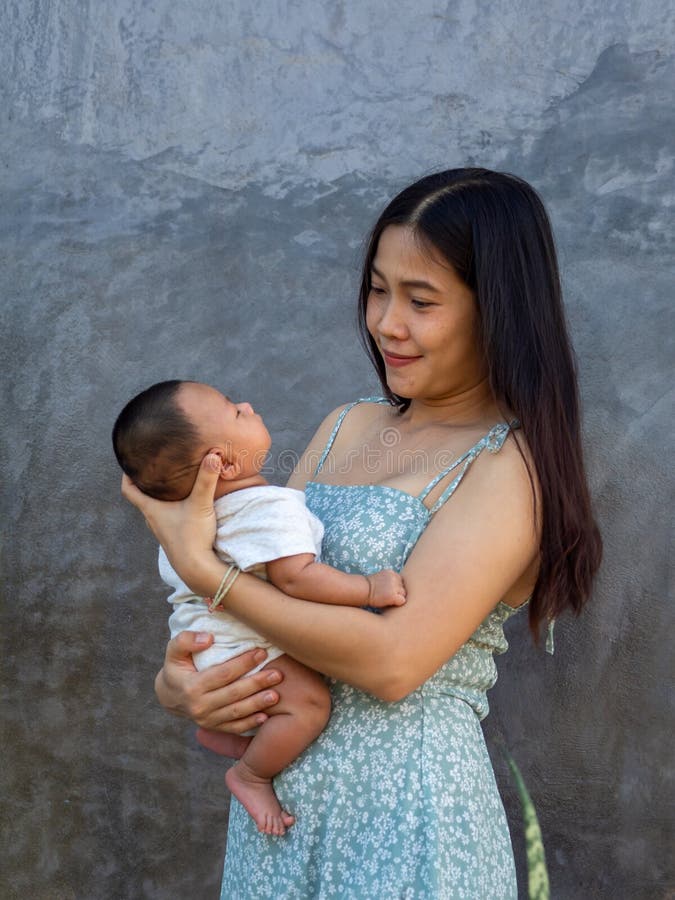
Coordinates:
[233,428]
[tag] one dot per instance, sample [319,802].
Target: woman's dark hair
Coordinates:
[494,231]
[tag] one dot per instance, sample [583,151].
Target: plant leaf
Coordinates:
[537,874]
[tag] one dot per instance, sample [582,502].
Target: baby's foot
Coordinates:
[257,797]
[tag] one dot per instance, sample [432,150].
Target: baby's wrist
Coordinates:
[371,588]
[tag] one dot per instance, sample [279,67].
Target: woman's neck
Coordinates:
[474,406]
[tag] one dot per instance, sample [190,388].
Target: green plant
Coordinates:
[537,874]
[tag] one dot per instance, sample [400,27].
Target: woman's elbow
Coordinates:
[392,693]
[393,684]
[391,671]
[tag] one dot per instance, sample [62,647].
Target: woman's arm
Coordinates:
[475,549]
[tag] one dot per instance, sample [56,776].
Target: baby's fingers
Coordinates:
[396,582]
[397,599]
[399,593]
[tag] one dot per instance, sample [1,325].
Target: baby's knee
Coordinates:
[316,702]
[304,694]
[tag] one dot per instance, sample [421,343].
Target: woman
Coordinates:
[468,476]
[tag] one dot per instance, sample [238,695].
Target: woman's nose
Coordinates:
[392,321]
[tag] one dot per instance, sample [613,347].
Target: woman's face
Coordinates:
[424,320]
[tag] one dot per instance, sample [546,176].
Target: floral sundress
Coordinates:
[393,801]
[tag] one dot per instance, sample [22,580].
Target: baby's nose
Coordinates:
[245,408]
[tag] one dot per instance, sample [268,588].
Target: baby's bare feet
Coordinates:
[257,797]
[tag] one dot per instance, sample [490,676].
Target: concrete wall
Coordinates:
[185,188]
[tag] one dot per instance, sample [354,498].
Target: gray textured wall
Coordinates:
[185,188]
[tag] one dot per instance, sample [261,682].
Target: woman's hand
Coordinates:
[186,528]
[219,698]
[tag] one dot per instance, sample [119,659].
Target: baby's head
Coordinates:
[162,435]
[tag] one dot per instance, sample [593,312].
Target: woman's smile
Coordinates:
[397,360]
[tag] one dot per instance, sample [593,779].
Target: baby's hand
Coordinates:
[386,589]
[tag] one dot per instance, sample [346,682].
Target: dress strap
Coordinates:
[493,442]
[338,423]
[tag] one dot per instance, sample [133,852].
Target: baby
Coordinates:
[160,439]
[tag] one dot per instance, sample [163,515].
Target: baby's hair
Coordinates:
[151,424]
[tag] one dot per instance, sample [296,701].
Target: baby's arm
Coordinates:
[302,577]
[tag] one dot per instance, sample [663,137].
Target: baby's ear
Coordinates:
[227,468]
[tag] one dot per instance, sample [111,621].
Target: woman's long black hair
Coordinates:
[494,231]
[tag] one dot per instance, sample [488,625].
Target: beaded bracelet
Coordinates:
[229,579]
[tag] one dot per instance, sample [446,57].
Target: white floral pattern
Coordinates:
[393,801]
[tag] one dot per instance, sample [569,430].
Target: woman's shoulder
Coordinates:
[492,520]
[504,479]
[342,423]
[510,461]
[355,412]
[353,423]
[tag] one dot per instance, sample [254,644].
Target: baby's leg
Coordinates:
[294,722]
[232,745]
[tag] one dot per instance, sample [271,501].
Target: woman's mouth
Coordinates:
[395,360]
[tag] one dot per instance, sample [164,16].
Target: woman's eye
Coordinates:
[420,304]
[378,291]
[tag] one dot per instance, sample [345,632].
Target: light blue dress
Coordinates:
[393,801]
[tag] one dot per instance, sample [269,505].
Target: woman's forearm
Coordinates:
[346,643]
[349,644]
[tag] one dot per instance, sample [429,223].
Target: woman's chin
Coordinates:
[400,392]
[402,387]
